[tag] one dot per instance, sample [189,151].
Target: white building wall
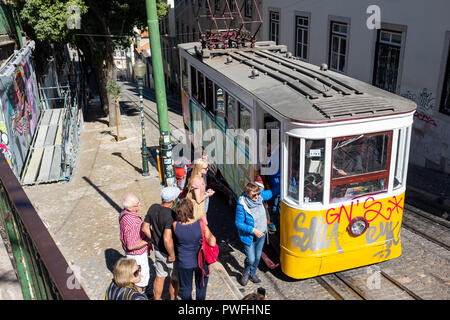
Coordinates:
[426,36]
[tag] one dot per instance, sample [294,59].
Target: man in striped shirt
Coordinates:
[134,242]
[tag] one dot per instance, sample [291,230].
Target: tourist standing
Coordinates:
[134,242]
[158,226]
[251,222]
[189,238]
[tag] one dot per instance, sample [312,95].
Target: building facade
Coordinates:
[401,46]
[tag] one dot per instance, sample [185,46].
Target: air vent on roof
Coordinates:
[353,107]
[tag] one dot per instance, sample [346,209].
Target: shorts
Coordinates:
[142,260]
[163,267]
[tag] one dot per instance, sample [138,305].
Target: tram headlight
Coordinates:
[357,226]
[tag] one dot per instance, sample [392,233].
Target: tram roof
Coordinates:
[298,90]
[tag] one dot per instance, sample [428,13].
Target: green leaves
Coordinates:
[49,18]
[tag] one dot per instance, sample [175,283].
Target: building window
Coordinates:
[301,37]
[338,46]
[274,31]
[231,4]
[445,100]
[182,33]
[217,5]
[387,59]
[248,8]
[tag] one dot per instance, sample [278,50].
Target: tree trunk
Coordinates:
[87,45]
[109,60]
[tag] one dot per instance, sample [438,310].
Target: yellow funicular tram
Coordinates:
[344,148]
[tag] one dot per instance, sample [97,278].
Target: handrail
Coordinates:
[42,270]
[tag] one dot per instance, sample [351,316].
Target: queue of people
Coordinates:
[176,236]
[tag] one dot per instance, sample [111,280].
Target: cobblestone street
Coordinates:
[81,215]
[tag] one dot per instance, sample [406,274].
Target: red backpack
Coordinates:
[206,253]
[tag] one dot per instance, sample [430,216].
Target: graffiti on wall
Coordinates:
[18,116]
[425,104]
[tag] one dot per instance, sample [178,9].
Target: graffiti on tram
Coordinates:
[384,217]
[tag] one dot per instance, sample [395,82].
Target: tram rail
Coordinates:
[342,288]
[429,219]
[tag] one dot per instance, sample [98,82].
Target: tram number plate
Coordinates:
[314,153]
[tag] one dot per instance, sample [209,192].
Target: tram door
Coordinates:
[271,165]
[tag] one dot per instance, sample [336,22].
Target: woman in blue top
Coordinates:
[251,222]
[189,239]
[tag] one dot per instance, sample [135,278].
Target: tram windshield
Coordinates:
[360,165]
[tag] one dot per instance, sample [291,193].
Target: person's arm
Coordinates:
[239,220]
[138,246]
[339,171]
[146,230]
[210,239]
[266,194]
[132,243]
[168,244]
[200,197]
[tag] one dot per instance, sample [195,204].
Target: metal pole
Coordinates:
[160,91]
[144,150]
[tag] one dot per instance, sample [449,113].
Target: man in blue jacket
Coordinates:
[251,222]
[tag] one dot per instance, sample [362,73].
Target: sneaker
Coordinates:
[255,279]
[244,279]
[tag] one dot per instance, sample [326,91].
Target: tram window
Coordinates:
[360,154]
[185,80]
[201,88]
[348,191]
[245,118]
[400,166]
[293,168]
[209,96]
[194,82]
[314,170]
[220,106]
[360,165]
[231,112]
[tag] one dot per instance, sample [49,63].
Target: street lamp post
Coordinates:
[139,71]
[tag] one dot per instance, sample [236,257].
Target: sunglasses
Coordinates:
[137,272]
[255,194]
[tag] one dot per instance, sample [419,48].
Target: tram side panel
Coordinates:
[318,242]
[232,161]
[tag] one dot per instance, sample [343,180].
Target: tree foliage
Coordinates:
[105,25]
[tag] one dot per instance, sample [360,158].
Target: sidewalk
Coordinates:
[81,215]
